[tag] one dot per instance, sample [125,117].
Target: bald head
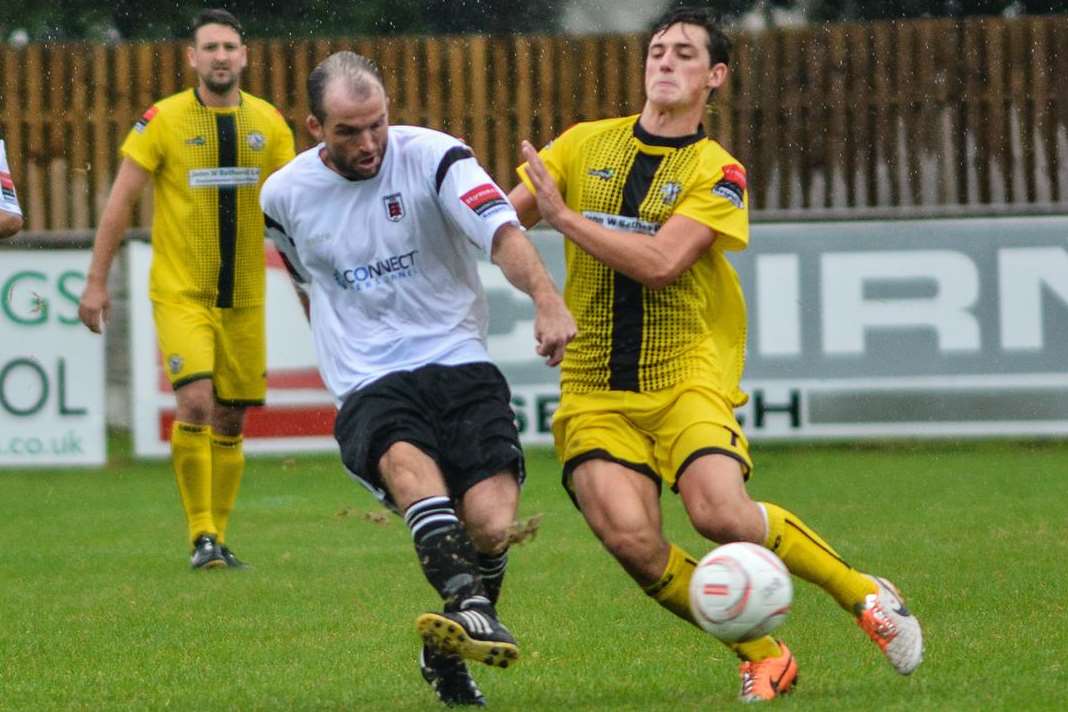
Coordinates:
[349,115]
[347,72]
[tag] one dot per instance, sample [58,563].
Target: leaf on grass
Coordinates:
[524,530]
[379,518]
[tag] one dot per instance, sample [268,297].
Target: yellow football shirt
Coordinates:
[208,165]
[630,337]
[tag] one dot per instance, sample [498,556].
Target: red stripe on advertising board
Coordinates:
[295,378]
[276,422]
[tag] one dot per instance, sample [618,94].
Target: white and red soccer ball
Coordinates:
[740,592]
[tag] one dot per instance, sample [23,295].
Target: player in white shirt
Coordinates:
[10,213]
[380,228]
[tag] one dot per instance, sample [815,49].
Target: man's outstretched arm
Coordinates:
[521,264]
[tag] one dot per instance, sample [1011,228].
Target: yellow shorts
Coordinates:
[229,346]
[657,434]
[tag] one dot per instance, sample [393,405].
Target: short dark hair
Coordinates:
[719,45]
[215,16]
[360,72]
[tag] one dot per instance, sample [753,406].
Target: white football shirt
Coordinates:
[389,262]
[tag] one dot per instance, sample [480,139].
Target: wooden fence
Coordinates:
[901,117]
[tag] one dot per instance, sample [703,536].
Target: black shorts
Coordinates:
[460,416]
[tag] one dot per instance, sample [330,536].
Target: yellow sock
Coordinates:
[757,650]
[811,558]
[191,456]
[227,466]
[672,591]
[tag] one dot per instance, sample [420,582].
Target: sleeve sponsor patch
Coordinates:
[732,185]
[7,187]
[730,191]
[735,174]
[484,199]
[139,127]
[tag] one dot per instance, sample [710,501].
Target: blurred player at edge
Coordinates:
[207,151]
[379,226]
[10,213]
[648,205]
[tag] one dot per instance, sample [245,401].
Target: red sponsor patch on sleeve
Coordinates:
[735,174]
[7,187]
[145,118]
[483,198]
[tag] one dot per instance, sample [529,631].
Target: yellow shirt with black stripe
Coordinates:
[630,337]
[208,165]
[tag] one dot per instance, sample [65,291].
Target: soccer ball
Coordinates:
[740,592]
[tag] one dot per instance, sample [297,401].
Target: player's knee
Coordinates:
[631,547]
[226,420]
[488,511]
[195,402]
[193,411]
[491,537]
[725,526]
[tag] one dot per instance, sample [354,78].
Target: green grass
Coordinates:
[98,610]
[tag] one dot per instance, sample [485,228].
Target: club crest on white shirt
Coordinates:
[394,206]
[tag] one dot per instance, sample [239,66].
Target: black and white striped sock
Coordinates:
[492,568]
[446,554]
[429,516]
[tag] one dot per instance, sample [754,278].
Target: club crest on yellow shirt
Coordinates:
[670,192]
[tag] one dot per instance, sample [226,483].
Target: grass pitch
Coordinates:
[99,611]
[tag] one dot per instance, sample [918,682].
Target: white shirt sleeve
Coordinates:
[9,201]
[470,198]
[274,217]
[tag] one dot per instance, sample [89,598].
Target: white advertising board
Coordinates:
[52,408]
[862,329]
